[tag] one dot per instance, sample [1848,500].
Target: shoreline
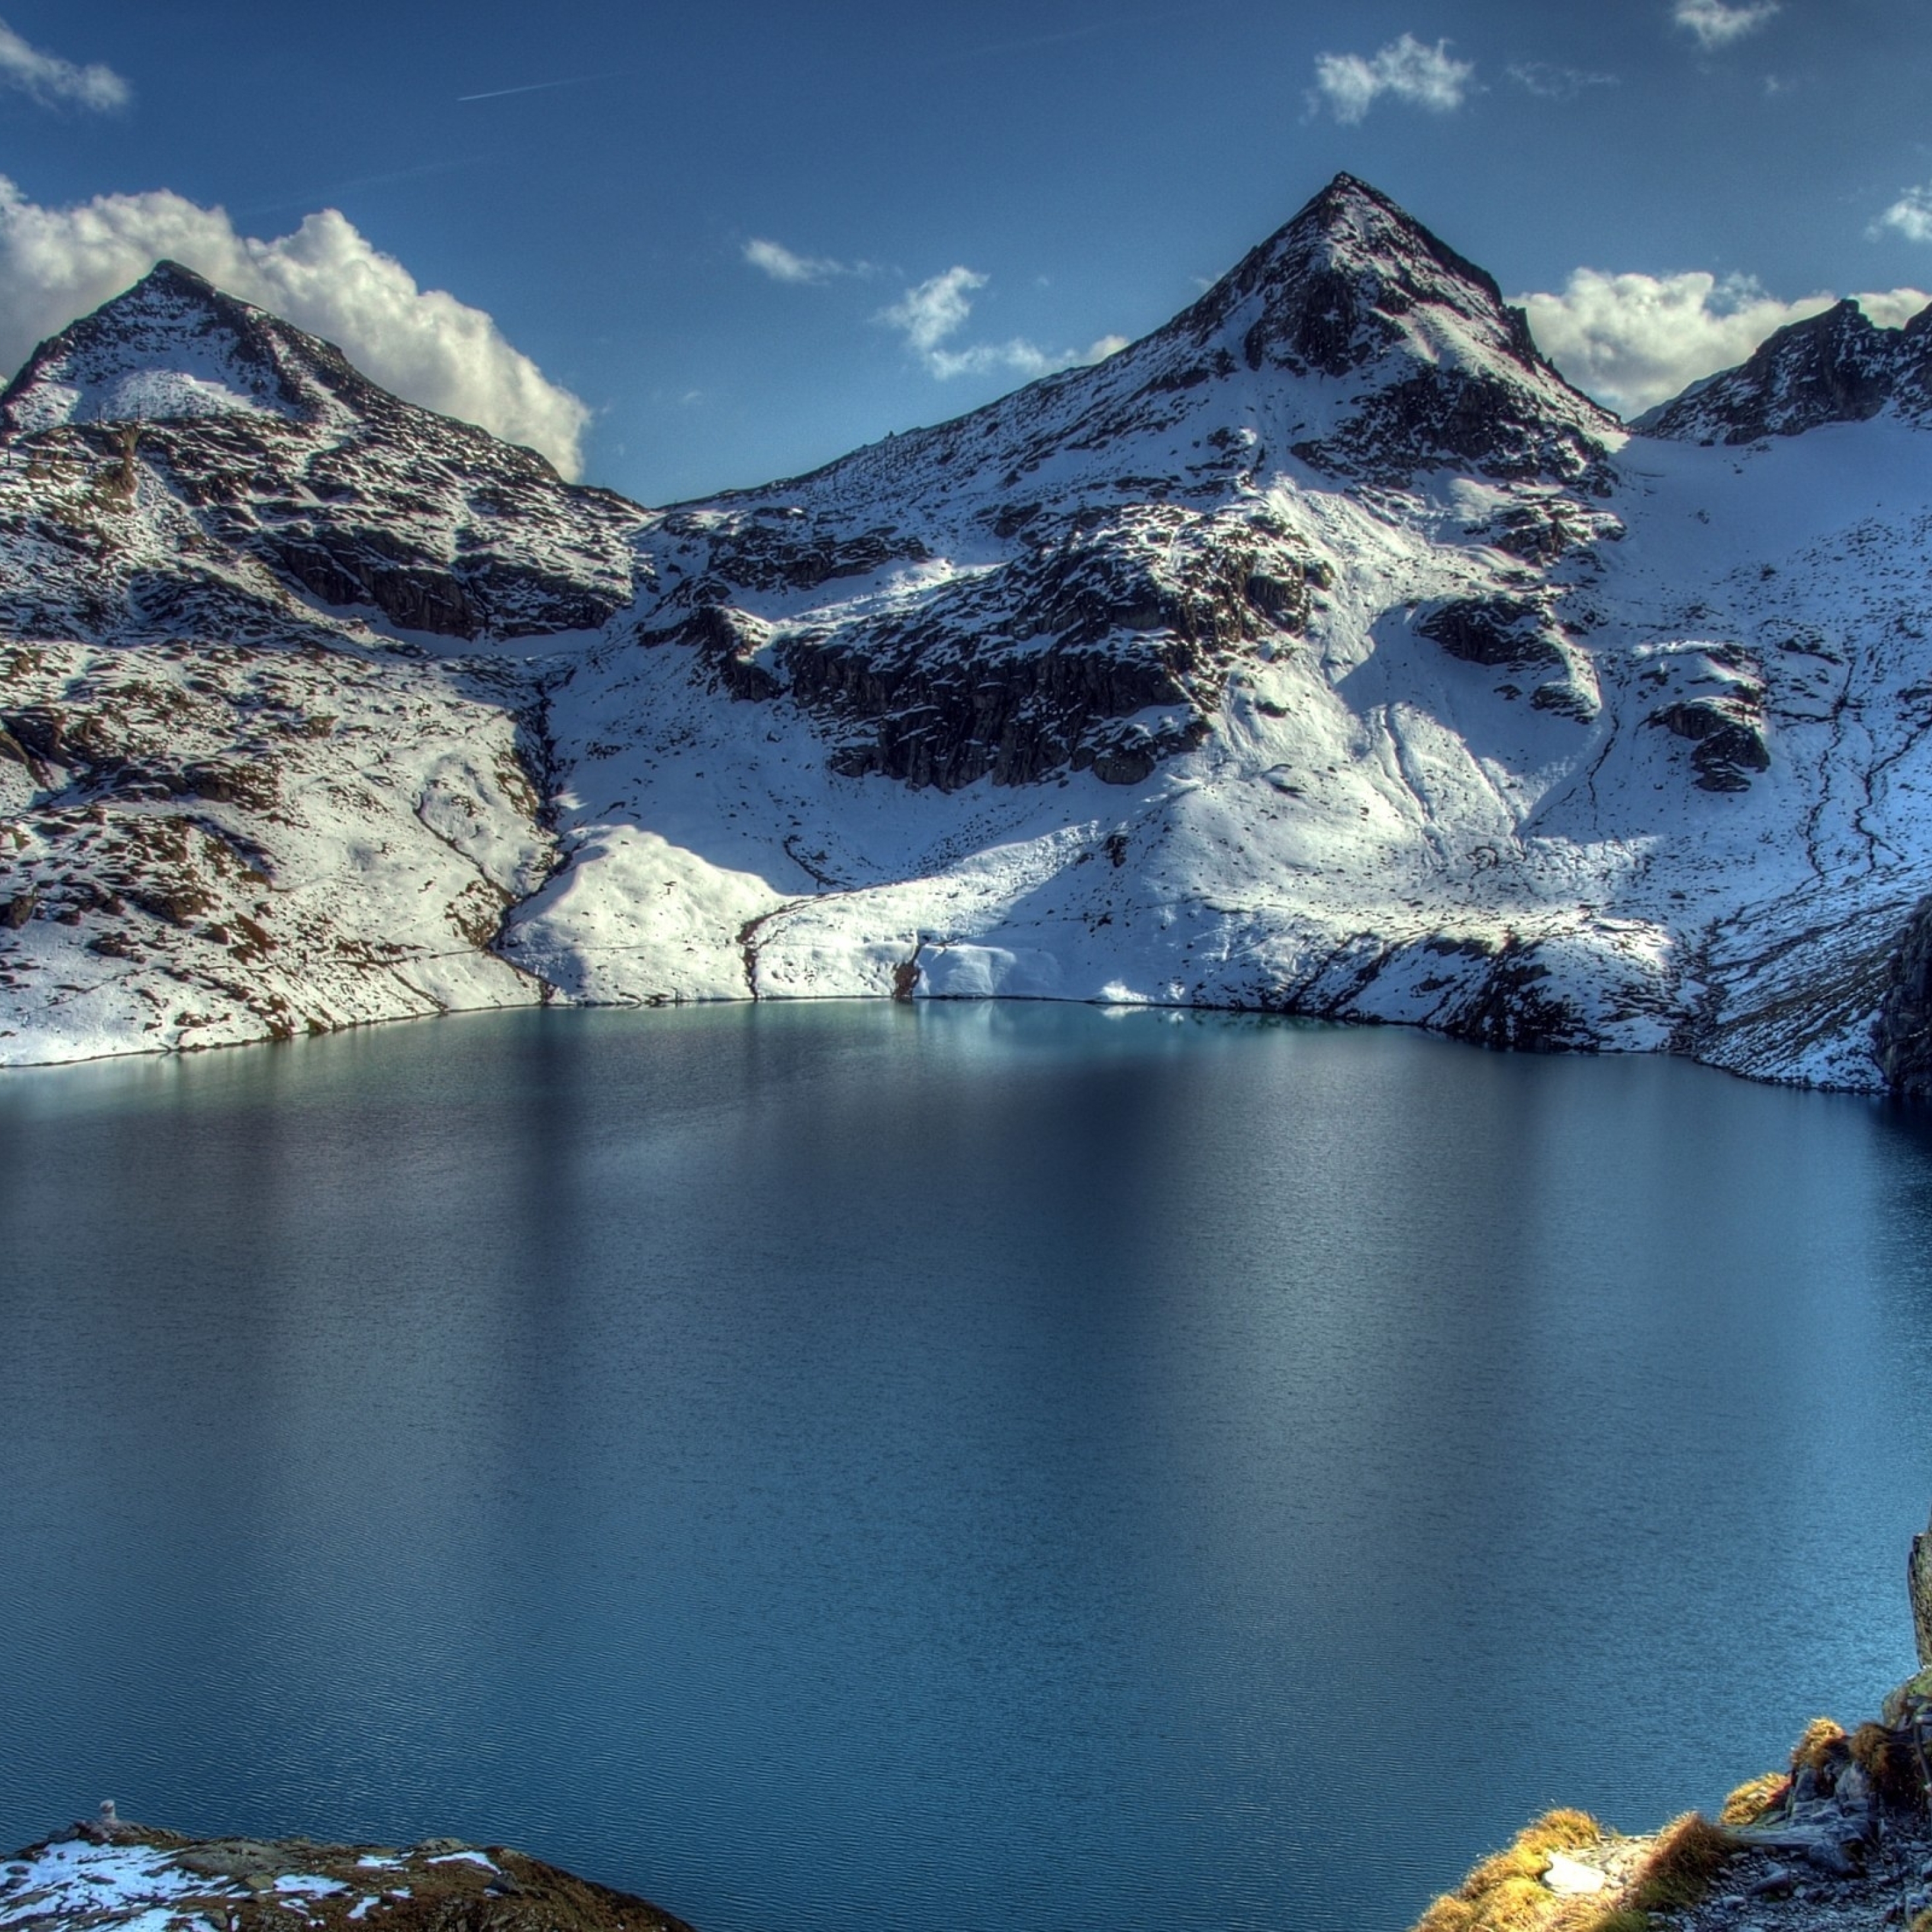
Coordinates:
[192,1050]
[107,1873]
[1840,1840]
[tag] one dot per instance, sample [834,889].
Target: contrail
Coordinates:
[534,87]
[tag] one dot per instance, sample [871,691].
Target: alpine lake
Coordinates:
[943,1468]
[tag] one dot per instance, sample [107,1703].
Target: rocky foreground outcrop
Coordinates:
[1838,1840]
[107,1874]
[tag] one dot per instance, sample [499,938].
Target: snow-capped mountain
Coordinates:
[283,453]
[1837,367]
[1322,652]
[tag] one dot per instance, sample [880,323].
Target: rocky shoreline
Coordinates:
[108,1873]
[1840,1840]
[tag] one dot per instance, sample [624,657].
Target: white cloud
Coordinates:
[779,263]
[54,82]
[930,312]
[57,263]
[1717,24]
[1424,77]
[928,315]
[1635,340]
[1910,215]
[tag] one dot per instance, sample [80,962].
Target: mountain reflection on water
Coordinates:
[965,1466]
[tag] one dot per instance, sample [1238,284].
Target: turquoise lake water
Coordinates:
[951,1467]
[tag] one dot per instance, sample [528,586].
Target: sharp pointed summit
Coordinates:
[1337,282]
[171,347]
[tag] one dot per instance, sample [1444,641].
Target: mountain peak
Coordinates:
[1354,287]
[1837,366]
[169,276]
[1350,276]
[172,345]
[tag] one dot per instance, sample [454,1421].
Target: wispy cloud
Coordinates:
[57,263]
[1552,82]
[929,315]
[1910,215]
[1717,24]
[1349,85]
[56,82]
[775,260]
[1632,341]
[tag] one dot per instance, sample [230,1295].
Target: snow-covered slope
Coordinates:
[1322,652]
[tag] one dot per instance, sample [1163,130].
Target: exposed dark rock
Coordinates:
[1565,699]
[1013,718]
[1017,673]
[40,731]
[1902,1036]
[1456,418]
[1512,1008]
[1728,733]
[774,550]
[727,641]
[1493,631]
[1919,1582]
[256,786]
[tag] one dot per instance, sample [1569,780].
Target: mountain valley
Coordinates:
[1324,653]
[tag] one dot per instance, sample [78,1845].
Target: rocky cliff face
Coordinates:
[1322,652]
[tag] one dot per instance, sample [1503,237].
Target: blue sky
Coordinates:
[952,197]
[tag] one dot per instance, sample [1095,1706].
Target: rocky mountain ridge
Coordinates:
[1837,367]
[1322,652]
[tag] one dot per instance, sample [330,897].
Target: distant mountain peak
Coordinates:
[278,446]
[1837,366]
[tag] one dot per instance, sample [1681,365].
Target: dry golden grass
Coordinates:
[1688,1854]
[1504,1893]
[1447,1914]
[1563,1830]
[1754,1799]
[1821,1735]
[1516,1905]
